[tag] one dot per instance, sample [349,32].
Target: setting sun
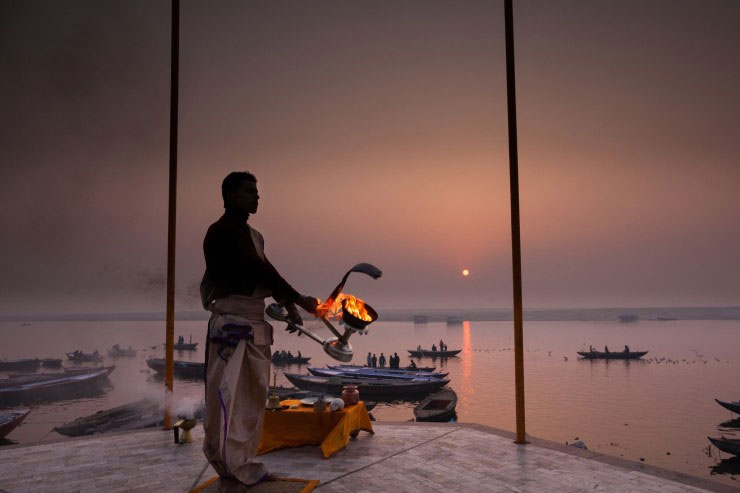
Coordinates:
[466,272]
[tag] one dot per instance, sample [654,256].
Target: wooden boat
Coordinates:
[369,388]
[328,372]
[295,360]
[55,386]
[433,354]
[185,346]
[20,365]
[437,407]
[732,406]
[405,368]
[10,420]
[80,357]
[390,373]
[51,363]
[117,352]
[611,355]
[729,445]
[183,369]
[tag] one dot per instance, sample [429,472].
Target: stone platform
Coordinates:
[400,457]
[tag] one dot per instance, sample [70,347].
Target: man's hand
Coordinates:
[308,303]
[293,316]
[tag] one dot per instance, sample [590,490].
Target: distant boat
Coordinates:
[628,318]
[10,420]
[729,445]
[665,319]
[732,406]
[454,320]
[292,360]
[433,354]
[421,319]
[183,369]
[80,357]
[611,355]
[181,345]
[438,407]
[117,352]
[20,365]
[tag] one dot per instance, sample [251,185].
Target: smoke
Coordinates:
[188,407]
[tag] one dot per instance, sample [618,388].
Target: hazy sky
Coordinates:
[377,131]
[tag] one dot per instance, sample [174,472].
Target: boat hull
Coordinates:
[20,365]
[375,389]
[291,361]
[732,406]
[11,420]
[610,355]
[56,387]
[731,446]
[439,407]
[183,369]
[433,354]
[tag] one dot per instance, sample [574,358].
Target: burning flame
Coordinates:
[333,308]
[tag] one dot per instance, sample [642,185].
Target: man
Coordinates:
[397,362]
[381,360]
[374,361]
[238,278]
[369,359]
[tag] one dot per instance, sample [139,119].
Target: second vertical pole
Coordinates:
[516,247]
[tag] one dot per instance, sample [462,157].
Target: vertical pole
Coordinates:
[516,248]
[172,215]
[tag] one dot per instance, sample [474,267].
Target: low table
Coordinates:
[304,426]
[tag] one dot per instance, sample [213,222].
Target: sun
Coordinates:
[466,272]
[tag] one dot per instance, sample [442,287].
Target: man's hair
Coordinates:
[233,181]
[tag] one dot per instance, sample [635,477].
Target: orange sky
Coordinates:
[377,131]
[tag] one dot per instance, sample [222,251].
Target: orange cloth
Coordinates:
[304,426]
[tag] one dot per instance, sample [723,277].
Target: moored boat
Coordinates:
[20,365]
[51,363]
[729,445]
[628,318]
[10,420]
[405,368]
[732,406]
[433,354]
[387,371]
[375,389]
[611,355]
[330,372]
[183,369]
[54,386]
[438,407]
[181,345]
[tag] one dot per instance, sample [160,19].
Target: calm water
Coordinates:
[631,409]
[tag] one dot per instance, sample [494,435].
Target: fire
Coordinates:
[333,308]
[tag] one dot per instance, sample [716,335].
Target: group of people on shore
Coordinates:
[373,361]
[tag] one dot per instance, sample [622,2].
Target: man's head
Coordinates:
[239,191]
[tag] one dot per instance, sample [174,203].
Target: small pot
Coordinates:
[350,395]
[319,405]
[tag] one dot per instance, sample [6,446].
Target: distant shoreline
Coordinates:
[439,314]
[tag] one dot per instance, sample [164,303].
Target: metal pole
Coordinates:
[169,368]
[516,249]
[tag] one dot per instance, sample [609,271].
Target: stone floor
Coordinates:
[400,457]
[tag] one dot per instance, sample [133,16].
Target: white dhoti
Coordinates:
[237,381]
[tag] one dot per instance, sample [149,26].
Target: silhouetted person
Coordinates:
[369,360]
[381,360]
[626,348]
[412,365]
[434,348]
[374,361]
[606,349]
[237,280]
[441,345]
[397,361]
